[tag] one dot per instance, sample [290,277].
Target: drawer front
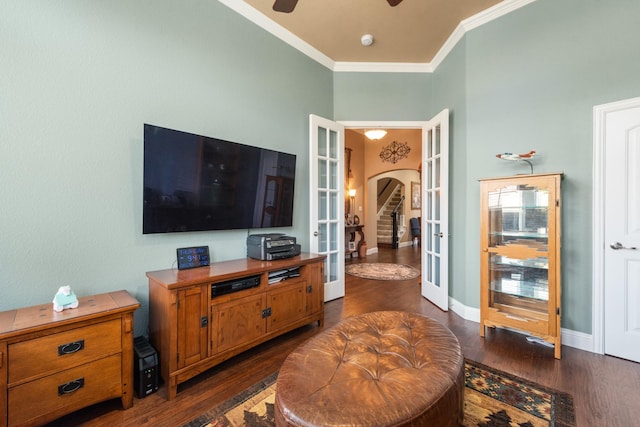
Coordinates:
[53,396]
[52,353]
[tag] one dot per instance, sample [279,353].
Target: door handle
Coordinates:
[440,234]
[315,234]
[617,246]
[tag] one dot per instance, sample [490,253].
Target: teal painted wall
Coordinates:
[527,80]
[382,96]
[449,91]
[532,79]
[79,80]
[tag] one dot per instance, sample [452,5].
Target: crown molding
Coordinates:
[383,67]
[279,31]
[494,12]
[475,21]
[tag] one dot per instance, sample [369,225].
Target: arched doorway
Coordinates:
[388,188]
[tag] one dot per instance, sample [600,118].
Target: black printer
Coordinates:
[271,246]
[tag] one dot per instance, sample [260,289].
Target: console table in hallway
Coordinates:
[350,235]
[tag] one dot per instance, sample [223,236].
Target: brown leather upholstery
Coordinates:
[386,368]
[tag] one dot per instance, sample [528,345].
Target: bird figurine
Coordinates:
[516,157]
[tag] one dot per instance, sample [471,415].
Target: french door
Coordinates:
[326,206]
[435,210]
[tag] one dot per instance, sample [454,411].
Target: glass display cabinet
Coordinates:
[520,255]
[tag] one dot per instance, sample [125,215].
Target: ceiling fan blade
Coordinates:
[393,2]
[285,6]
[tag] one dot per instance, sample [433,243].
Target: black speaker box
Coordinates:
[145,370]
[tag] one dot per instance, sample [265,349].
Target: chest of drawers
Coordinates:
[53,363]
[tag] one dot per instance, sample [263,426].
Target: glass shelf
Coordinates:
[538,290]
[497,262]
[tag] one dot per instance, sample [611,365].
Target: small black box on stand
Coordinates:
[145,370]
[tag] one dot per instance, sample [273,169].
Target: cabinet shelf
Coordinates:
[520,234]
[520,255]
[522,288]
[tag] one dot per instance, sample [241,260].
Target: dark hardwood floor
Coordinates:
[606,390]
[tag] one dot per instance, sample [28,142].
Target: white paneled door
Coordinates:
[326,206]
[622,231]
[435,210]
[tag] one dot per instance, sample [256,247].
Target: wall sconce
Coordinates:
[352,195]
[374,134]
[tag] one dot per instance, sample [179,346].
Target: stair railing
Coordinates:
[394,219]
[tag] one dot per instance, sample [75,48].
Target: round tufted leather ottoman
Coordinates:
[386,368]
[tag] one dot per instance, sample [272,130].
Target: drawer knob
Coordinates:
[70,347]
[70,387]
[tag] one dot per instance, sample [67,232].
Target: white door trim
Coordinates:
[599,118]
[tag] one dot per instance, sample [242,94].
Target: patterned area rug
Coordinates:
[492,399]
[382,271]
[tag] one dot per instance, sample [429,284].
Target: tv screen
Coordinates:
[197,183]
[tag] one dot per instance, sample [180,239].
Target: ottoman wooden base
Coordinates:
[385,368]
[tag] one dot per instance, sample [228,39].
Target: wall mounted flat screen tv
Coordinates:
[197,183]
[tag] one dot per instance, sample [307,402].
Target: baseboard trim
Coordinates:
[570,338]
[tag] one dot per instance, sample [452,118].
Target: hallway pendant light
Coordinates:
[374,134]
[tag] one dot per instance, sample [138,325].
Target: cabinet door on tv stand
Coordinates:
[192,325]
[315,288]
[237,322]
[288,305]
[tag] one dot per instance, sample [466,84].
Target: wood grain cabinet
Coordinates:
[193,328]
[53,363]
[520,277]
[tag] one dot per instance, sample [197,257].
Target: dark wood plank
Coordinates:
[605,389]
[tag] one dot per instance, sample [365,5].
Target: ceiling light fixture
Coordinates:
[374,134]
[366,40]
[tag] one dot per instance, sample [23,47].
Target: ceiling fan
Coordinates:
[287,6]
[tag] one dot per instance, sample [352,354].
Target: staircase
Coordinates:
[385,223]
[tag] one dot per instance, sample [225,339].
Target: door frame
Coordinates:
[600,113]
[422,125]
[362,124]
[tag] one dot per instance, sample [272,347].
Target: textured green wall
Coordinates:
[79,80]
[382,96]
[527,80]
[532,78]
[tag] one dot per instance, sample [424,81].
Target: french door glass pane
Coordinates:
[322,205]
[322,237]
[333,206]
[333,144]
[334,236]
[333,267]
[322,142]
[322,173]
[333,174]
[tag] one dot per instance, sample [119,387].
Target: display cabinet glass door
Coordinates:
[518,249]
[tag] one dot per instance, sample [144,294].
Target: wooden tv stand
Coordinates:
[193,330]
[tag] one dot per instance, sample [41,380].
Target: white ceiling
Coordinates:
[412,36]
